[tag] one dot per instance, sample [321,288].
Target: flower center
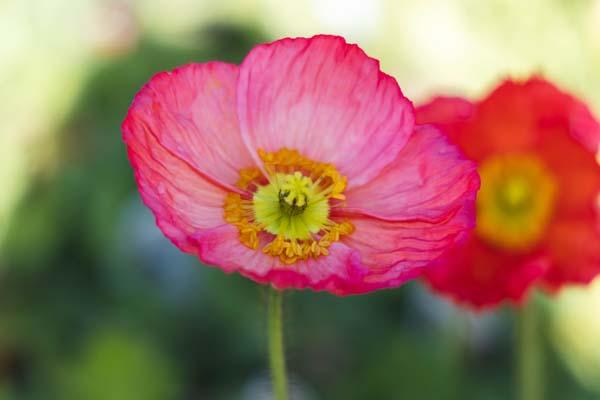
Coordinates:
[293,193]
[291,205]
[287,213]
[515,202]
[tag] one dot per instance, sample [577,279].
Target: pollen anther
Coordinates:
[287,214]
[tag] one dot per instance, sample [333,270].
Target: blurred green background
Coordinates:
[96,304]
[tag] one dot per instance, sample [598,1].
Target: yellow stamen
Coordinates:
[515,202]
[288,211]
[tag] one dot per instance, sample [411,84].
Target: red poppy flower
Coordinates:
[300,168]
[537,210]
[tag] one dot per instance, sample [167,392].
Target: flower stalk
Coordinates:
[276,347]
[529,354]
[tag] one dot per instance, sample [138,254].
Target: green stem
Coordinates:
[529,354]
[276,350]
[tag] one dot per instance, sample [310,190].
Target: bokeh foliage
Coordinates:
[96,304]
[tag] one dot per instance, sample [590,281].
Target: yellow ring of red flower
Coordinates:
[515,202]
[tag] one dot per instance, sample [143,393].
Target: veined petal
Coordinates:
[191,112]
[182,200]
[328,100]
[398,251]
[428,180]
[415,210]
[340,272]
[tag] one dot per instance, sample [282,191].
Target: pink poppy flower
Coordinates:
[301,168]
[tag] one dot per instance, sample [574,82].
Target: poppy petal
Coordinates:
[446,113]
[328,100]
[191,112]
[182,200]
[515,117]
[428,180]
[478,276]
[398,251]
[574,246]
[574,167]
[418,207]
[340,272]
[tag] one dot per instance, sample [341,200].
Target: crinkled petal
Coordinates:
[340,272]
[480,277]
[574,246]
[398,251]
[328,100]
[428,181]
[182,200]
[191,112]
[414,211]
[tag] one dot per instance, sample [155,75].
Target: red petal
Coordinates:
[574,246]
[480,277]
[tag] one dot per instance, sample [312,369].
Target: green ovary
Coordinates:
[292,206]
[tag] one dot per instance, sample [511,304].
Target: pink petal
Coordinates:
[414,211]
[397,251]
[340,272]
[326,99]
[396,257]
[182,199]
[184,144]
[428,181]
[191,113]
[384,243]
